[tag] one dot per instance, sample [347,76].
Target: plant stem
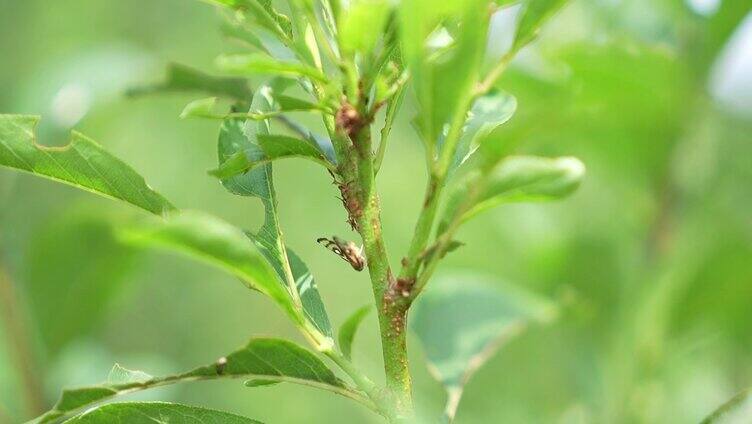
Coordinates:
[434,190]
[495,73]
[359,169]
[444,239]
[360,380]
[437,180]
[20,345]
[392,316]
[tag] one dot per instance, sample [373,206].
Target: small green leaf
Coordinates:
[349,328]
[738,410]
[156,412]
[463,320]
[362,25]
[515,179]
[274,147]
[529,179]
[206,108]
[202,108]
[263,13]
[82,163]
[280,146]
[259,63]
[293,104]
[181,78]
[272,360]
[534,15]
[241,137]
[216,242]
[488,113]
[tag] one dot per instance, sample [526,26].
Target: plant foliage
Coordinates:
[343,64]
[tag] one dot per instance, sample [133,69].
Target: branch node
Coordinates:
[349,120]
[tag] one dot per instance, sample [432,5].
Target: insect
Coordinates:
[349,201]
[345,250]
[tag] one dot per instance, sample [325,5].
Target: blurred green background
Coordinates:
[652,258]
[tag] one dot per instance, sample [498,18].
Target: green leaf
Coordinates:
[533,16]
[82,163]
[237,31]
[443,79]
[234,141]
[201,108]
[181,78]
[292,104]
[206,108]
[216,242]
[487,114]
[349,328]
[274,147]
[272,360]
[313,306]
[157,412]
[263,13]
[529,179]
[465,319]
[259,63]
[362,25]
[237,138]
[738,410]
[515,179]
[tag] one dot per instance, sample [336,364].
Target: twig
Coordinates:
[437,180]
[493,76]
